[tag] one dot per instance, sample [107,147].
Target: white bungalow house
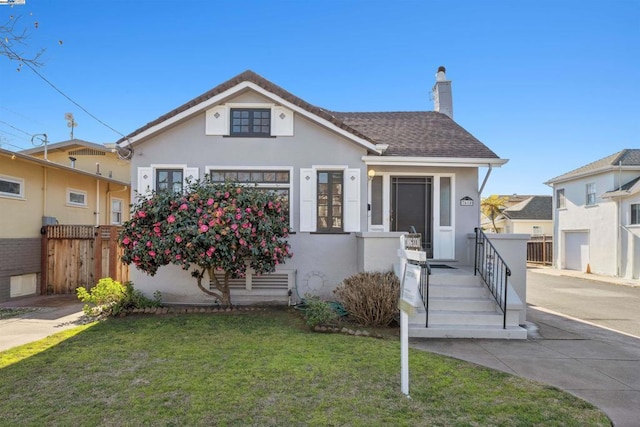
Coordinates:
[354,181]
[597,216]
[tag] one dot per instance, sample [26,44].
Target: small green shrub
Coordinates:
[370,298]
[318,312]
[110,297]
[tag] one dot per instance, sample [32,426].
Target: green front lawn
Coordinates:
[258,368]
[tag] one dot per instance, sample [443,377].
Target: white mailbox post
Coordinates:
[410,250]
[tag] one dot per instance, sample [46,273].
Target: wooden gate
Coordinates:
[79,255]
[540,250]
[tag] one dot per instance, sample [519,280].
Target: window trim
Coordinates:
[250,133]
[275,185]
[631,206]
[587,194]
[329,229]
[121,212]
[76,204]
[353,194]
[14,180]
[561,202]
[158,170]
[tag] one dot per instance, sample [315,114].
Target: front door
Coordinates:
[411,208]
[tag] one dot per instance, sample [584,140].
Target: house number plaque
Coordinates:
[466,201]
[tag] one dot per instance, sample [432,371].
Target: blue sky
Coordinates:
[550,85]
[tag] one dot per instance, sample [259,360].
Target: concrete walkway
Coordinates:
[596,364]
[53,314]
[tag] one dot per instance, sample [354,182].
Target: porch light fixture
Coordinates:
[371,174]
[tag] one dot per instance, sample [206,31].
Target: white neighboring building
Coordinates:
[597,216]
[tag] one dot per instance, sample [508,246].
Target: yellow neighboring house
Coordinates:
[36,192]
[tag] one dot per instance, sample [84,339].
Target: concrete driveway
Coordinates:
[597,364]
[53,314]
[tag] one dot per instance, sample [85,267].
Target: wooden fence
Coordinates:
[540,250]
[79,255]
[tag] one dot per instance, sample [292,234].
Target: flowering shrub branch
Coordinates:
[214,227]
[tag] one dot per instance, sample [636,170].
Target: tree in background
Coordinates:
[493,206]
[223,228]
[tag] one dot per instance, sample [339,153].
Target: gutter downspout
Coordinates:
[97,212]
[486,178]
[44,191]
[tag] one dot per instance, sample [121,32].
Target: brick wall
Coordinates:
[17,256]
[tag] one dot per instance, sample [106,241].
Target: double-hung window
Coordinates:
[591,194]
[169,180]
[252,122]
[560,199]
[330,201]
[116,211]
[165,177]
[276,182]
[635,214]
[11,187]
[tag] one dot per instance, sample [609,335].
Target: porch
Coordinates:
[458,302]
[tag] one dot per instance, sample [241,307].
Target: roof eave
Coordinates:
[609,168]
[52,165]
[433,161]
[219,98]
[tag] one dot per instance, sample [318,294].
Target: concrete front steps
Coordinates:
[460,306]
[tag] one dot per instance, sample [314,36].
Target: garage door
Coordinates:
[576,250]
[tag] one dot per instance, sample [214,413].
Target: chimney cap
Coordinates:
[441,68]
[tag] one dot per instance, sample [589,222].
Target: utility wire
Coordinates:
[32,68]
[13,127]
[31,119]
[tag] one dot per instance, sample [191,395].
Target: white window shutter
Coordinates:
[352,200]
[190,174]
[308,213]
[281,121]
[217,120]
[145,180]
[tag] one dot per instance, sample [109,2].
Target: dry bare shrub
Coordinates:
[370,298]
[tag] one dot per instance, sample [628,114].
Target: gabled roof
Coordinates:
[533,208]
[627,158]
[17,156]
[247,76]
[425,134]
[417,133]
[626,189]
[66,145]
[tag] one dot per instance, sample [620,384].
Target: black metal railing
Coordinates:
[425,272]
[493,271]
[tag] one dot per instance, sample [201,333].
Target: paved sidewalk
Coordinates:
[53,314]
[595,364]
[587,276]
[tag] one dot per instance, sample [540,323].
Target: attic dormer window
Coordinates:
[252,122]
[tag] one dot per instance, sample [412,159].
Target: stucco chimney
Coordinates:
[442,98]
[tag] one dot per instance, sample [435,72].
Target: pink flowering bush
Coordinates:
[214,227]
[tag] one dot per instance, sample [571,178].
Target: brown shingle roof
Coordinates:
[416,134]
[248,76]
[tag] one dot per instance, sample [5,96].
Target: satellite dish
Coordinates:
[124,153]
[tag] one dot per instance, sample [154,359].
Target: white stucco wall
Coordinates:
[598,220]
[321,261]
